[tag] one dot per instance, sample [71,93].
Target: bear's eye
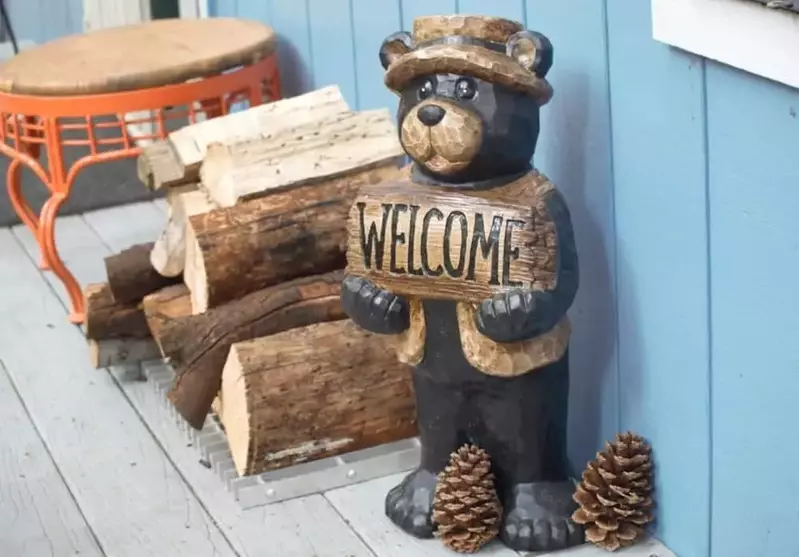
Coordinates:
[465,89]
[427,89]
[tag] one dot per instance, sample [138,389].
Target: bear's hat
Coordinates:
[493,49]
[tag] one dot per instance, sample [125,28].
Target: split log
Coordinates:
[314,392]
[121,351]
[168,255]
[197,346]
[106,318]
[334,146]
[131,276]
[289,233]
[158,167]
[176,161]
[163,308]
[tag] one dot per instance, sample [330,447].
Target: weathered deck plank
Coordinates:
[126,225]
[37,513]
[128,490]
[303,527]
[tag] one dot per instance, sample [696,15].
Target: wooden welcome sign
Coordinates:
[429,242]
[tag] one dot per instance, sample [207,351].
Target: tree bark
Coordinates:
[197,346]
[131,276]
[301,231]
[314,392]
[106,318]
[163,309]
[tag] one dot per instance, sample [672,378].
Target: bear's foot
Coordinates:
[537,517]
[410,504]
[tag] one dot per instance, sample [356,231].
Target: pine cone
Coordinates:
[615,494]
[466,508]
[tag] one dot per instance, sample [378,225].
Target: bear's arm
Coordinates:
[524,314]
[372,308]
[551,306]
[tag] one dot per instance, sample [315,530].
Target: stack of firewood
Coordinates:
[241,291]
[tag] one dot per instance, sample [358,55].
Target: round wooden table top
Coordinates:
[131,57]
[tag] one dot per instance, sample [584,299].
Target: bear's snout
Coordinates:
[431,114]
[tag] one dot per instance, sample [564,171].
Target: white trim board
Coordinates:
[740,33]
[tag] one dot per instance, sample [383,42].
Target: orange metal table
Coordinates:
[67,92]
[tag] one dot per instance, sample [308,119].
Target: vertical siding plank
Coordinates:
[574,150]
[258,10]
[332,46]
[511,9]
[229,8]
[662,280]
[372,23]
[290,20]
[753,131]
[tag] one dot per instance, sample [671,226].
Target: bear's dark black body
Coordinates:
[520,421]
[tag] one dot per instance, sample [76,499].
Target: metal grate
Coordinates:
[277,485]
[790,5]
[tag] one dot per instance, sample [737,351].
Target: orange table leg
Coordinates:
[24,136]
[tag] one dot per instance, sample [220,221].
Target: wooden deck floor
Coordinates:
[82,474]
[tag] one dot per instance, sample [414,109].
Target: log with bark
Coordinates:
[176,161]
[197,346]
[106,318]
[292,232]
[131,275]
[168,255]
[311,393]
[337,145]
[164,308]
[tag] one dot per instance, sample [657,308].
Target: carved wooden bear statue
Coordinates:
[495,373]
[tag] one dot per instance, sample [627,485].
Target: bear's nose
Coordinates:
[431,114]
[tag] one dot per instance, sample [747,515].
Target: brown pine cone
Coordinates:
[466,509]
[615,494]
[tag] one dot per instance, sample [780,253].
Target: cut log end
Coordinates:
[236,413]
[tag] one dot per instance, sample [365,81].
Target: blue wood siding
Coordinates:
[44,20]
[681,175]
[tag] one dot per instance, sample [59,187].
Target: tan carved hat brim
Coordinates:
[465,59]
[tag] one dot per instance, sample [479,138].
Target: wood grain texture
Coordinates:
[37,512]
[422,241]
[168,256]
[149,512]
[191,142]
[259,243]
[131,276]
[314,392]
[107,319]
[163,308]
[297,528]
[158,166]
[198,346]
[131,57]
[335,145]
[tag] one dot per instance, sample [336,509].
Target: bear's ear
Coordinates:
[532,50]
[395,46]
